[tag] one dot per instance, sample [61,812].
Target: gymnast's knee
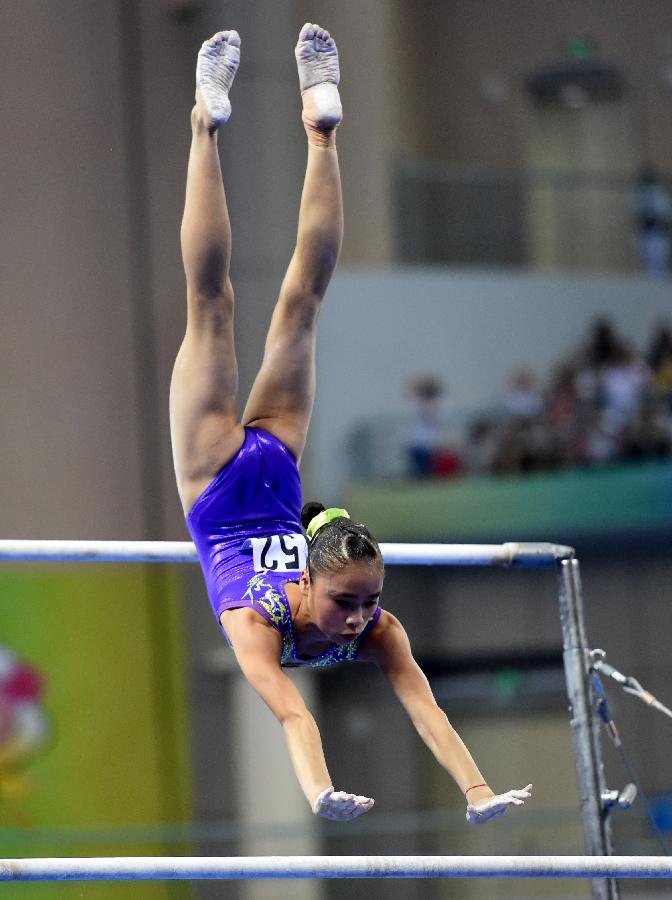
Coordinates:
[213,300]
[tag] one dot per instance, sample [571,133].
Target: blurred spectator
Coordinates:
[599,440]
[659,359]
[610,383]
[518,451]
[428,453]
[562,396]
[522,399]
[562,410]
[646,437]
[622,384]
[652,215]
[603,345]
[482,446]
[424,432]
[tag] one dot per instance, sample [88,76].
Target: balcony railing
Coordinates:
[534,219]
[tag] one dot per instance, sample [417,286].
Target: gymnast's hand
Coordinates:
[339,805]
[481,812]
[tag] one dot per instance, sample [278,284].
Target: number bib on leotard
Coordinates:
[278,552]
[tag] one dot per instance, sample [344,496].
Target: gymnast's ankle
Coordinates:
[324,138]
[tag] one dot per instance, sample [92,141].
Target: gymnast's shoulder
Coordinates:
[387,643]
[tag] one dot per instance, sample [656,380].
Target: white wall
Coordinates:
[380,327]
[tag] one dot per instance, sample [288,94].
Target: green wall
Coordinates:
[553,506]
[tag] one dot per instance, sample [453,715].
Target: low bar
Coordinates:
[521,555]
[162,868]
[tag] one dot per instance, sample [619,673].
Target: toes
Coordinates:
[215,40]
[307,33]
[312,32]
[223,37]
[233,38]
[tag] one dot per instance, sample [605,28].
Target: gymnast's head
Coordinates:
[344,574]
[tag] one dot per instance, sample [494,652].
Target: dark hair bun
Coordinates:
[309,511]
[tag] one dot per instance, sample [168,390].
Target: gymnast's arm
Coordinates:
[389,647]
[257,647]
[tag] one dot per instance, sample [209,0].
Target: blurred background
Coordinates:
[495,363]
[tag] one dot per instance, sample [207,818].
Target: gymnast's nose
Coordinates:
[355,619]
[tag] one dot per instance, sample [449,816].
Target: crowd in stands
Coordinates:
[604,403]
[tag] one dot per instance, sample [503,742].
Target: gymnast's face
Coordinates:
[342,602]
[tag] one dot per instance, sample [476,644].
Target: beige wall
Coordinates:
[68,407]
[451,46]
[94,155]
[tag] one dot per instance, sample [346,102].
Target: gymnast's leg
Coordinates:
[205,427]
[281,399]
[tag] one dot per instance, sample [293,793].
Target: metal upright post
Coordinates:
[585,727]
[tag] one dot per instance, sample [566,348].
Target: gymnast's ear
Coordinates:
[304,580]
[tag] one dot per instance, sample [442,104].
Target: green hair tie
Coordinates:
[323,518]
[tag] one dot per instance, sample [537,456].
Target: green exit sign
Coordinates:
[579,47]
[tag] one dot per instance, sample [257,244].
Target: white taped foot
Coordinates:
[217,65]
[319,74]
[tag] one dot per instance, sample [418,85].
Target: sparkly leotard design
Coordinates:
[247,531]
[274,606]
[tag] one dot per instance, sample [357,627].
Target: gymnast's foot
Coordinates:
[317,60]
[217,65]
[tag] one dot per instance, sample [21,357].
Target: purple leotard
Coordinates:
[246,526]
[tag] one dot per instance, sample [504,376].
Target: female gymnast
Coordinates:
[279,601]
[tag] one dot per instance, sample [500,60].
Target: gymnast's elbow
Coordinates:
[285,703]
[430,721]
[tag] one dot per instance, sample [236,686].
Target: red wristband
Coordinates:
[483,784]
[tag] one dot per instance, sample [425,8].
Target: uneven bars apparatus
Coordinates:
[583,721]
[145,868]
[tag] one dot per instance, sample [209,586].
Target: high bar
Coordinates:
[522,555]
[133,868]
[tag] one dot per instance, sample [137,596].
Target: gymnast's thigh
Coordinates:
[204,421]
